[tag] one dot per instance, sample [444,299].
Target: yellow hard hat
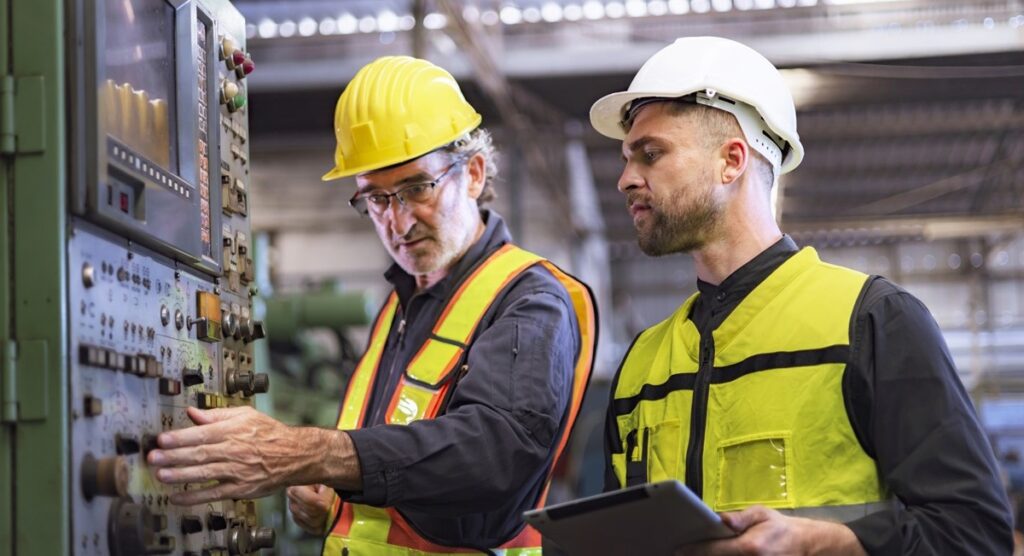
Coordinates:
[395,109]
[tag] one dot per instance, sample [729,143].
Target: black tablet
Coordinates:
[652,519]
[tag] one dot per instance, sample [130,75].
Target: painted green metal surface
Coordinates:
[6,436]
[33,272]
[288,314]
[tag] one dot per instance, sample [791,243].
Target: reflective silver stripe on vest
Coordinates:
[842,514]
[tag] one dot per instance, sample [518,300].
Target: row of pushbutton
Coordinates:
[123,276]
[143,364]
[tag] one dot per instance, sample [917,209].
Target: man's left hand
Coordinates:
[232,453]
[764,531]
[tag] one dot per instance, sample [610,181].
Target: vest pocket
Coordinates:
[755,469]
[411,402]
[665,452]
[636,456]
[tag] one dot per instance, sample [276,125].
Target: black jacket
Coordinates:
[910,413]
[464,478]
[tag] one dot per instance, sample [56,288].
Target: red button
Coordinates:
[248,66]
[237,57]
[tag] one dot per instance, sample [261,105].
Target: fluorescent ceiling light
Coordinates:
[307,27]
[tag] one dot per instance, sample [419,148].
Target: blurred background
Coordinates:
[910,111]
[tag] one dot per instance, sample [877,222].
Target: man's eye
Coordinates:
[378,199]
[417,190]
[651,156]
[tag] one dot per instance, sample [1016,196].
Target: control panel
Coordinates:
[160,272]
[150,338]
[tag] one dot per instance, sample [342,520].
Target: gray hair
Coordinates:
[478,141]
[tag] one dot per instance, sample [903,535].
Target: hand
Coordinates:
[310,505]
[763,531]
[232,453]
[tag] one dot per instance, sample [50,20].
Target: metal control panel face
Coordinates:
[149,339]
[160,269]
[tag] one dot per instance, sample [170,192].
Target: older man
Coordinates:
[816,407]
[475,366]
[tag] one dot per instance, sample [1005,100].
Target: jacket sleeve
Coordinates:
[501,426]
[913,415]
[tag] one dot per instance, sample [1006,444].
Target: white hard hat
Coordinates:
[720,73]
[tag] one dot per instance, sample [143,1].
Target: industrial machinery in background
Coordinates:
[312,354]
[126,269]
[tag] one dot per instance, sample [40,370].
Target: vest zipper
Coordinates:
[381,407]
[699,417]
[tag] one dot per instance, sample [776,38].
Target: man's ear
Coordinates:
[734,158]
[476,168]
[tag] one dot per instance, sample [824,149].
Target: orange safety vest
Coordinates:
[357,529]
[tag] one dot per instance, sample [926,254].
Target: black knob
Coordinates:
[148,443]
[258,330]
[215,521]
[130,531]
[191,524]
[126,445]
[191,377]
[260,383]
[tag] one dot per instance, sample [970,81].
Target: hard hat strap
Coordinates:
[757,133]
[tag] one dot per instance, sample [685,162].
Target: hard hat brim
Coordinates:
[606,114]
[338,172]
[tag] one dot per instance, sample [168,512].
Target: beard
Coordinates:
[444,242]
[678,228]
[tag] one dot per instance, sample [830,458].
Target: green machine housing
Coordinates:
[125,269]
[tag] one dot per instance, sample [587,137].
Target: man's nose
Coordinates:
[400,217]
[629,179]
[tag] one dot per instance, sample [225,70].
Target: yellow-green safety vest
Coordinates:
[753,413]
[423,390]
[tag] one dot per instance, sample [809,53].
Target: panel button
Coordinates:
[169,387]
[93,406]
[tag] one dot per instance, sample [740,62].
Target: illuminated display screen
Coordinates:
[137,93]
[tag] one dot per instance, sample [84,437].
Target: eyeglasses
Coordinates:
[412,194]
